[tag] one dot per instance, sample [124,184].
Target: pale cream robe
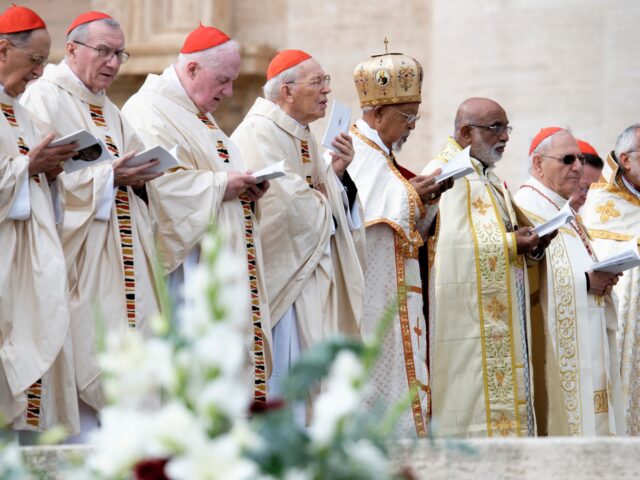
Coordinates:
[305,265]
[580,328]
[612,215]
[396,223]
[481,375]
[37,386]
[109,258]
[185,202]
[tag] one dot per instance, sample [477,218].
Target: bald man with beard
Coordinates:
[481,373]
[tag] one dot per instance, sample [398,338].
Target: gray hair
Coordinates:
[545,144]
[627,140]
[271,89]
[81,32]
[210,58]
[19,40]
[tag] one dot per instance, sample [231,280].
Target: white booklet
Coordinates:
[458,167]
[91,150]
[269,173]
[167,158]
[339,122]
[620,262]
[564,216]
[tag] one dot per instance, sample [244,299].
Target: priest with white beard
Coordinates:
[398,210]
[582,367]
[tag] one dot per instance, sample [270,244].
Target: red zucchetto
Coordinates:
[542,134]
[86,18]
[20,19]
[204,38]
[587,148]
[285,60]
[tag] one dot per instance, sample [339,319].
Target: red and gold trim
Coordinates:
[123,211]
[97,115]
[34,403]
[111,146]
[306,160]
[204,119]
[9,114]
[223,153]
[405,328]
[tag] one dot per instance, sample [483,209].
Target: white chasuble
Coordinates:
[612,215]
[110,256]
[481,375]
[37,386]
[307,265]
[580,328]
[183,203]
[396,221]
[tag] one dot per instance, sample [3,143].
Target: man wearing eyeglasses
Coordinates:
[481,374]
[37,380]
[105,227]
[309,219]
[177,107]
[612,215]
[398,210]
[581,364]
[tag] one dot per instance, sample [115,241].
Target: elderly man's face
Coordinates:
[630,163]
[489,134]
[395,122]
[208,87]
[96,72]
[552,169]
[20,65]
[309,93]
[589,175]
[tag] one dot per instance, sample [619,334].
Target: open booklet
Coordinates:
[564,216]
[166,157]
[458,167]
[91,150]
[275,170]
[620,262]
[338,123]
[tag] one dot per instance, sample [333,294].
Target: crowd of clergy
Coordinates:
[496,331]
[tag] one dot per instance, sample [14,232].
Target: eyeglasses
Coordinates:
[316,82]
[497,129]
[35,61]
[108,53]
[409,118]
[568,159]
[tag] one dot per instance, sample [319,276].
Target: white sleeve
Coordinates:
[21,206]
[107,198]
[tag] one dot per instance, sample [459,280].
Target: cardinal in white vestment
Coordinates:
[310,223]
[579,317]
[397,216]
[37,385]
[105,230]
[612,216]
[481,374]
[176,108]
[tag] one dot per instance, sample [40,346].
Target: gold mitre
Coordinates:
[388,78]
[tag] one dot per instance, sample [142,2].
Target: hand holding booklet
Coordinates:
[269,173]
[91,150]
[166,157]
[564,216]
[458,167]
[620,262]
[339,122]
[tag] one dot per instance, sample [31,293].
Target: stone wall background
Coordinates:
[567,63]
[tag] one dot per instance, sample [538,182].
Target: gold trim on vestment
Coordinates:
[601,401]
[620,237]
[405,328]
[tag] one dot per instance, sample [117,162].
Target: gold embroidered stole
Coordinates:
[260,370]
[493,271]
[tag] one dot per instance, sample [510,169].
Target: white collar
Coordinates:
[64,64]
[630,186]
[372,135]
[171,76]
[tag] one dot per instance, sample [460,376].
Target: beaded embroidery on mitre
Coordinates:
[388,79]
